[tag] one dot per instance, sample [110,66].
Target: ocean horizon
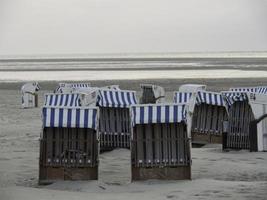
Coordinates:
[227,54]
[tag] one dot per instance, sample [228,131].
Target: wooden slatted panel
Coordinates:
[69,147]
[216,112]
[212,120]
[197,118]
[114,128]
[240,115]
[164,137]
[208,120]
[49,139]
[81,148]
[182,147]
[220,121]
[139,145]
[148,144]
[147,96]
[201,119]
[155,145]
[157,150]
[173,143]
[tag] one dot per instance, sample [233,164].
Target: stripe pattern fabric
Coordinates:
[243,89]
[106,98]
[80,85]
[182,97]
[70,117]
[116,98]
[258,89]
[60,88]
[153,113]
[232,97]
[262,90]
[66,100]
[210,98]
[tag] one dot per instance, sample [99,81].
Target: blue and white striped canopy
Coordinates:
[61,86]
[70,117]
[256,89]
[262,89]
[244,89]
[182,97]
[106,98]
[155,113]
[232,97]
[67,100]
[80,85]
[210,98]
[116,98]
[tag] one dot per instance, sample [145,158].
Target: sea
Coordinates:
[77,67]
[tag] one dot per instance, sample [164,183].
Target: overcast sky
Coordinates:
[115,26]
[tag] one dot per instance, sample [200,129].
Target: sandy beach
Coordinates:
[215,174]
[82,44]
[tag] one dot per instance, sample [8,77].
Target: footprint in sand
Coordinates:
[3,159]
[4,120]
[172,197]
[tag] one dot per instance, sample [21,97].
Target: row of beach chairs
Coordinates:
[210,111]
[158,134]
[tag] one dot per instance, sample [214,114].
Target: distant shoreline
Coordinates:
[174,68]
[134,69]
[219,73]
[128,59]
[141,55]
[132,64]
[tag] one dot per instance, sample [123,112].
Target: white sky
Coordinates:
[131,26]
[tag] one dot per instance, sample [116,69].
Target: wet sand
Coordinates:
[170,85]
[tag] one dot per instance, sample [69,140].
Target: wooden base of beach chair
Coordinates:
[163,173]
[51,174]
[200,138]
[216,139]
